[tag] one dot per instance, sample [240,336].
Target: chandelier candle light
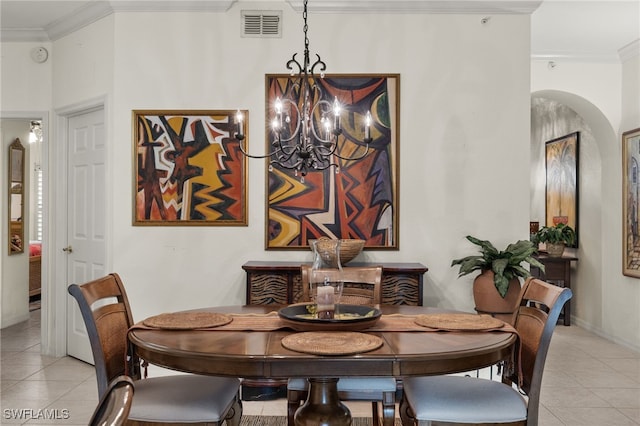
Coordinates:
[306,126]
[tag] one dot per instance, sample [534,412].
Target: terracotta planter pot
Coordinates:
[489,301]
[555,250]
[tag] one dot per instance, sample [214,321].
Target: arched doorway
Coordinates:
[555,114]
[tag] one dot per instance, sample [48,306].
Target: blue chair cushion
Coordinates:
[463,400]
[354,387]
[183,398]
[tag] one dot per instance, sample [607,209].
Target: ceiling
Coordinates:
[580,29]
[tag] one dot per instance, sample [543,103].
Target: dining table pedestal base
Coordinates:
[323,406]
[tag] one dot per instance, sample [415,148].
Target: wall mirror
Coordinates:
[16,197]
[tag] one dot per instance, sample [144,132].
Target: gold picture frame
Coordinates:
[16,191]
[631,203]
[188,168]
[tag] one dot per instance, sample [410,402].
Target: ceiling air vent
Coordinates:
[261,23]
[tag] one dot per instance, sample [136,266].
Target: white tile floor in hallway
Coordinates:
[588,381]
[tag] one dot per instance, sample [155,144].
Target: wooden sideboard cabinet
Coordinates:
[280,282]
[557,270]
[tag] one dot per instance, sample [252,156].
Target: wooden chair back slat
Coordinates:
[107,316]
[362,285]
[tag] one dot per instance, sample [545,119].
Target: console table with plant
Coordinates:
[555,238]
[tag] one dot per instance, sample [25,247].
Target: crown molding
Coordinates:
[24,34]
[625,53]
[87,14]
[94,10]
[420,6]
[98,9]
[593,57]
[631,50]
[171,5]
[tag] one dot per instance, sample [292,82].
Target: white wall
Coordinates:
[606,96]
[26,85]
[465,91]
[551,119]
[83,64]
[598,83]
[630,86]
[464,108]
[14,270]
[464,134]
[622,298]
[26,92]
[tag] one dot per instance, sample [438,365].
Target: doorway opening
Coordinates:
[25,283]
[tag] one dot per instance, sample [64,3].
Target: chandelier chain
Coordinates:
[306,126]
[305,28]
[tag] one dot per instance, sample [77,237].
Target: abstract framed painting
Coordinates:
[561,163]
[188,168]
[630,203]
[357,198]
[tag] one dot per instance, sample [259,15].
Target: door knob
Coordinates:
[68,249]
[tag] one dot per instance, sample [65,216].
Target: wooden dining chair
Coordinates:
[176,399]
[449,400]
[362,286]
[114,406]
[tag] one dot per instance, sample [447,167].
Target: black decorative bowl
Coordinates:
[348,318]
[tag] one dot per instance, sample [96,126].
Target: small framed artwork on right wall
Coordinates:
[630,203]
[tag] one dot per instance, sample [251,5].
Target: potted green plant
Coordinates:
[500,275]
[555,238]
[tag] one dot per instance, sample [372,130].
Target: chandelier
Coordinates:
[306,126]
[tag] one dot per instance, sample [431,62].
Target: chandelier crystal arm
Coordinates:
[280,151]
[271,154]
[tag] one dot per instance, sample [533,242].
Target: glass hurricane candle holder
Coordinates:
[325,281]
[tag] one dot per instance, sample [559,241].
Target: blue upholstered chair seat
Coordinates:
[464,400]
[361,387]
[200,399]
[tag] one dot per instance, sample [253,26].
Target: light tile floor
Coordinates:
[588,381]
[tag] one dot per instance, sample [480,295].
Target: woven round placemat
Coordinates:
[187,320]
[331,342]
[461,322]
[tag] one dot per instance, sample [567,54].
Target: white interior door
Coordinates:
[86,251]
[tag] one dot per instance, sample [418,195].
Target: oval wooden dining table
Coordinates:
[260,355]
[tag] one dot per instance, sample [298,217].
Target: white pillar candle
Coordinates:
[324,298]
